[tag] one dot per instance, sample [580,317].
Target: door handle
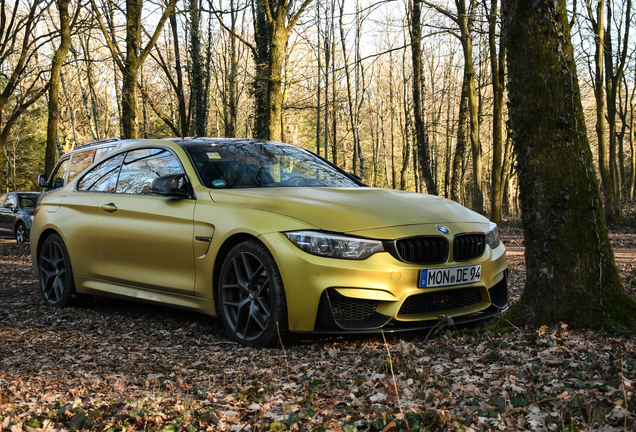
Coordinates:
[109,208]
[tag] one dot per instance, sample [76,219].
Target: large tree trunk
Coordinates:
[273,24]
[134,58]
[54,86]
[129,119]
[571,273]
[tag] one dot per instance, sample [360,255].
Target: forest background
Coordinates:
[407,95]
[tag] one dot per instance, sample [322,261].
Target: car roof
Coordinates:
[109,142]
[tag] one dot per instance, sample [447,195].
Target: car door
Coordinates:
[147,240]
[8,215]
[4,217]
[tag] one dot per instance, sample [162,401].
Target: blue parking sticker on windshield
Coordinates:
[218,183]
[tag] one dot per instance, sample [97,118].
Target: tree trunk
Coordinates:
[54,86]
[420,132]
[197,85]
[460,149]
[571,273]
[473,106]
[598,26]
[184,125]
[134,58]
[613,77]
[632,125]
[405,125]
[129,113]
[232,84]
[497,71]
[352,106]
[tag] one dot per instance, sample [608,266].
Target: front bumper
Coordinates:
[326,295]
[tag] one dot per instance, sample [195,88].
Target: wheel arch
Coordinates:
[45,234]
[17,223]
[228,244]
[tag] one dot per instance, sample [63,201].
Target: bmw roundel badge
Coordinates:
[442,229]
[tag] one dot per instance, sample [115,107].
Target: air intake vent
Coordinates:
[421,250]
[345,309]
[468,246]
[440,301]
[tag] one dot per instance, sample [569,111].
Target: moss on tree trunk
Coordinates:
[571,275]
[54,88]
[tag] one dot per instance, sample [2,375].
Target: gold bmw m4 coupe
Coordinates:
[269,236]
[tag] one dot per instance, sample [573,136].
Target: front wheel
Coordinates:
[56,275]
[251,296]
[21,235]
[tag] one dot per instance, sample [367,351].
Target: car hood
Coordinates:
[350,209]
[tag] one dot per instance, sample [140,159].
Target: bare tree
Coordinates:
[134,57]
[55,82]
[19,44]
[463,20]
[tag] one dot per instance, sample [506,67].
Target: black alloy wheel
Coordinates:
[21,235]
[251,296]
[56,275]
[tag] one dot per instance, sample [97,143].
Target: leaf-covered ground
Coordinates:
[117,365]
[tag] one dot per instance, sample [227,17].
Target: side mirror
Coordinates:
[171,186]
[10,206]
[42,182]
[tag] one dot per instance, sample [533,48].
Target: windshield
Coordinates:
[257,165]
[28,201]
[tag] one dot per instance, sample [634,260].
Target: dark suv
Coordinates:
[16,214]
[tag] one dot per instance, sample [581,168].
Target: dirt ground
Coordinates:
[119,366]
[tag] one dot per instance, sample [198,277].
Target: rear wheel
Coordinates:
[251,296]
[21,234]
[56,275]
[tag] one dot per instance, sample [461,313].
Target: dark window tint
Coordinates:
[58,178]
[11,199]
[80,162]
[101,152]
[141,167]
[103,177]
[256,165]
[28,201]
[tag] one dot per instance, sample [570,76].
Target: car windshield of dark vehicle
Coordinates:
[258,165]
[28,201]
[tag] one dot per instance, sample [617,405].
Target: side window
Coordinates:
[12,199]
[103,177]
[101,152]
[80,162]
[141,167]
[59,176]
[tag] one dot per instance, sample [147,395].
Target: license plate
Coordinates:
[447,276]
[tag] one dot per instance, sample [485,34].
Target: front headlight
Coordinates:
[334,246]
[492,236]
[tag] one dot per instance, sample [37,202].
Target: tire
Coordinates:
[56,274]
[252,297]
[21,233]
